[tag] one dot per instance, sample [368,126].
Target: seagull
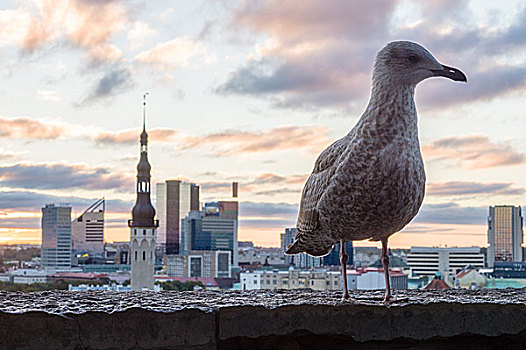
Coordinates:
[370,183]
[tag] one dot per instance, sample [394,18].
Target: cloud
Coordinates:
[88,24]
[474,152]
[235,142]
[483,85]
[269,210]
[176,53]
[461,188]
[20,222]
[112,82]
[139,32]
[278,191]
[60,176]
[451,213]
[27,128]
[267,223]
[132,136]
[270,178]
[30,201]
[215,187]
[105,53]
[318,55]
[48,95]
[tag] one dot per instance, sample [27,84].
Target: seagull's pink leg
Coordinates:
[344,258]
[385,263]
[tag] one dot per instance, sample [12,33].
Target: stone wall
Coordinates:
[262,320]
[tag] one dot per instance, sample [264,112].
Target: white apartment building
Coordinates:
[28,276]
[427,261]
[364,279]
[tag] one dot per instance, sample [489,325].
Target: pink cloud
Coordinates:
[474,152]
[132,136]
[178,52]
[27,128]
[87,24]
[233,142]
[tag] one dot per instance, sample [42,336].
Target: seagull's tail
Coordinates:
[314,248]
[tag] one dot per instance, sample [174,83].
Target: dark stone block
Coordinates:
[297,319]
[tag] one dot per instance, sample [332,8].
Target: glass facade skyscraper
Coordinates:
[213,228]
[505,234]
[175,199]
[56,237]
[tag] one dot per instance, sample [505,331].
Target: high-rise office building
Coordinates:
[333,259]
[175,199]
[56,237]
[301,260]
[143,227]
[88,230]
[213,228]
[505,224]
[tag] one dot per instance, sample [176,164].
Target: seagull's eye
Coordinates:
[413,59]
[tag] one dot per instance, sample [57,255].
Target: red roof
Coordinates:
[463,273]
[437,283]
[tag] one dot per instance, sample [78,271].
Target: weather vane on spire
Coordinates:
[144,110]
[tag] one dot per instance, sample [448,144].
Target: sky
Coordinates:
[250,91]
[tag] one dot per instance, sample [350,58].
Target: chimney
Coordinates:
[234,189]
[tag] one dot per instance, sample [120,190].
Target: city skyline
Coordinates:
[237,95]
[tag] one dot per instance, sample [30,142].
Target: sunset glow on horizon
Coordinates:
[250,92]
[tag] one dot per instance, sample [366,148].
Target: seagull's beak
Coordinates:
[451,73]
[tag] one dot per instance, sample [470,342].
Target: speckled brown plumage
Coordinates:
[370,183]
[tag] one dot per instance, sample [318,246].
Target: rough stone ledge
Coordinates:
[261,319]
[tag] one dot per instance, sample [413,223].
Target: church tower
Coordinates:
[143,227]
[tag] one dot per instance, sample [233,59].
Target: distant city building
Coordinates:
[143,227]
[213,228]
[175,199]
[28,276]
[333,259]
[56,237]
[506,269]
[290,279]
[245,244]
[88,230]
[301,260]
[374,278]
[200,263]
[321,279]
[261,255]
[505,234]
[105,287]
[427,261]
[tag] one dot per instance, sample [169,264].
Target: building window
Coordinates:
[268,281]
[135,255]
[274,282]
[151,255]
[144,232]
[143,255]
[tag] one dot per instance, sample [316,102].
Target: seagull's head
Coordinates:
[407,63]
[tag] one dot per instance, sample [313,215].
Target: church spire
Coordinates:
[143,212]
[144,135]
